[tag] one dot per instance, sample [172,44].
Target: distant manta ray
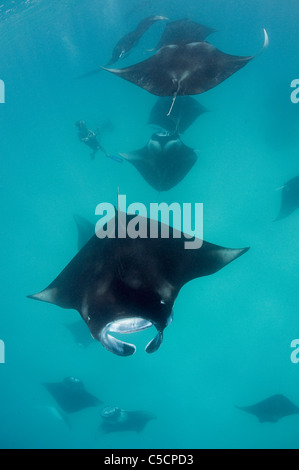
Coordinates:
[271,409]
[289,198]
[80,333]
[184,113]
[127,42]
[71,395]
[115,419]
[54,412]
[184,31]
[123,285]
[184,69]
[164,161]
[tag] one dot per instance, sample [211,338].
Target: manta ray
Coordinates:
[121,284]
[185,111]
[115,419]
[71,395]
[289,198]
[271,409]
[184,69]
[127,42]
[164,161]
[184,31]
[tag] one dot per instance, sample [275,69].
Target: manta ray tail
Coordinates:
[172,103]
[174,96]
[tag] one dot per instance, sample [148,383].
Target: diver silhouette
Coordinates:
[89,138]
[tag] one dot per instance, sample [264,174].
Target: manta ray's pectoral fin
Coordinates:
[56,294]
[265,45]
[47,295]
[207,260]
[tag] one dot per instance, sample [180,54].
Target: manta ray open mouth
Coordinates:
[126,326]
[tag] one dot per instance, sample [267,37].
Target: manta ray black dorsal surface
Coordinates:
[123,284]
[127,42]
[272,409]
[289,198]
[71,395]
[185,111]
[164,161]
[184,69]
[184,31]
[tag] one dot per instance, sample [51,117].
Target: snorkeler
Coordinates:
[90,138]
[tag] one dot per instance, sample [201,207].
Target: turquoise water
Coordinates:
[229,342]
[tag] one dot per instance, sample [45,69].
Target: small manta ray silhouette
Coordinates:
[184,31]
[164,161]
[71,395]
[271,409]
[184,113]
[127,42]
[289,198]
[115,419]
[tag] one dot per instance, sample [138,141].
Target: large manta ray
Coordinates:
[184,31]
[272,409]
[117,420]
[183,69]
[164,161]
[121,284]
[71,395]
[126,43]
[185,111]
[289,198]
